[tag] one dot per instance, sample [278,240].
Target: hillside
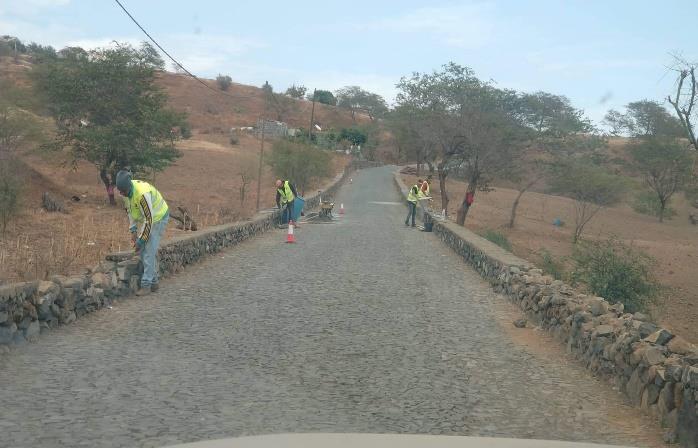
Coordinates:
[206,179]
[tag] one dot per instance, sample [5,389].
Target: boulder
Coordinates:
[598,306]
[520,323]
[681,346]
[665,401]
[4,316]
[690,377]
[687,425]
[646,329]
[659,337]
[649,396]
[33,330]
[603,330]
[653,355]
[635,387]
[641,317]
[101,280]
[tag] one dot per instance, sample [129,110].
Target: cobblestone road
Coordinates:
[363,326]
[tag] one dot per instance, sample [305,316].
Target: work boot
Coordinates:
[144,291]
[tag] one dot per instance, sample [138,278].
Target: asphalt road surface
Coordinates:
[364,325]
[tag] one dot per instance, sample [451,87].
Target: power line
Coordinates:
[133,19]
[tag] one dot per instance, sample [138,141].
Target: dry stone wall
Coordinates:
[657,370]
[31,308]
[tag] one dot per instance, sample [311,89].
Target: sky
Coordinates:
[600,54]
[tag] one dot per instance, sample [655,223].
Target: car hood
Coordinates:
[318,440]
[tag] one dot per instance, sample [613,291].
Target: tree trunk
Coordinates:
[516,202]
[662,207]
[108,184]
[442,186]
[431,167]
[464,207]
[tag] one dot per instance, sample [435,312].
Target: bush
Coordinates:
[552,266]
[10,189]
[616,271]
[185,129]
[299,163]
[234,140]
[498,238]
[224,81]
[648,203]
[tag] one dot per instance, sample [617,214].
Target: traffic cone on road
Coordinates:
[341,209]
[289,237]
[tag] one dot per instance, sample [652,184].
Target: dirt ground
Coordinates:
[673,243]
[205,180]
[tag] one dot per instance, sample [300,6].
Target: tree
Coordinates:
[299,163]
[224,82]
[554,126]
[296,92]
[666,167]
[644,118]
[412,143]
[354,98]
[685,98]
[248,173]
[267,88]
[353,135]
[591,188]
[324,97]
[109,111]
[16,127]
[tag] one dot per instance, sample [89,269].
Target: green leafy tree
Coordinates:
[324,97]
[591,188]
[356,99]
[109,111]
[353,135]
[666,167]
[224,81]
[296,91]
[298,162]
[644,118]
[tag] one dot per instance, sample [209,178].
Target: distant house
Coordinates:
[272,128]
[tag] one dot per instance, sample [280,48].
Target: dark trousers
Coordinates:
[411,211]
[288,212]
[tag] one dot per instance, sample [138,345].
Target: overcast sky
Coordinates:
[601,54]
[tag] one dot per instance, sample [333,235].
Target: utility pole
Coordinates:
[312,118]
[261,159]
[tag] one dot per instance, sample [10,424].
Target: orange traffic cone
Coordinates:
[289,237]
[341,209]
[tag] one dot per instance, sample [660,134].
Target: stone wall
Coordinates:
[657,370]
[30,308]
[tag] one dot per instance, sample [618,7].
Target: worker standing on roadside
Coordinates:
[285,195]
[412,198]
[148,214]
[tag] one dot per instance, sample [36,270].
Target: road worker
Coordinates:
[148,215]
[285,195]
[412,198]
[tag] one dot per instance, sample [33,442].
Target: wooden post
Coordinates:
[261,161]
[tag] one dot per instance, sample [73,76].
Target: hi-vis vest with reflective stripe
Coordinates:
[286,193]
[411,196]
[134,202]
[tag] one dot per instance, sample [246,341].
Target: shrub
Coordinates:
[234,140]
[616,271]
[497,238]
[299,163]
[185,129]
[224,81]
[648,203]
[10,189]
[552,266]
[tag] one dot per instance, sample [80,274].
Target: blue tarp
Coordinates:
[298,204]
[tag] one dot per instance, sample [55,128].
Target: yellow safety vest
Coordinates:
[286,193]
[134,204]
[411,196]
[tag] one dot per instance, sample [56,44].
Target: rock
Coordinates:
[101,280]
[687,424]
[646,329]
[665,401]
[649,396]
[7,333]
[690,377]
[681,346]
[653,355]
[641,316]
[635,387]
[46,287]
[3,317]
[33,330]
[520,323]
[659,337]
[603,330]
[678,395]
[670,437]
[598,306]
